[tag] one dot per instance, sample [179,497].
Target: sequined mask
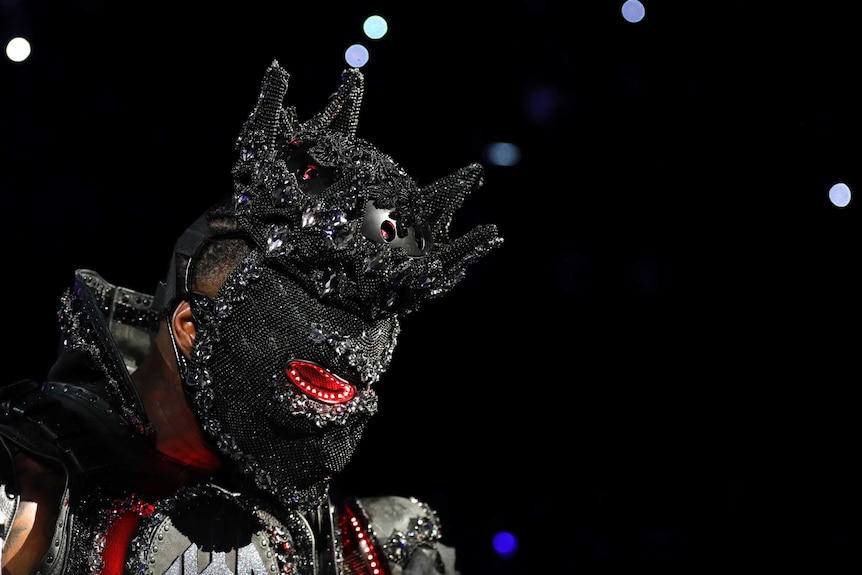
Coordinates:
[344,244]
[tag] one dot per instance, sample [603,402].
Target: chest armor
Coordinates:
[203,530]
[209,531]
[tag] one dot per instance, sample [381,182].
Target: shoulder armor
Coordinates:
[404,532]
[63,423]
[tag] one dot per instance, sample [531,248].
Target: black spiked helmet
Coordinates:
[343,243]
[341,216]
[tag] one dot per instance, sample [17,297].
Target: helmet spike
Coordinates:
[341,113]
[457,255]
[447,194]
[262,127]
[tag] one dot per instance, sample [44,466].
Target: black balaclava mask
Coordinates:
[344,243]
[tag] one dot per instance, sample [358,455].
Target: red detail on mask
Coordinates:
[310,172]
[388,231]
[318,383]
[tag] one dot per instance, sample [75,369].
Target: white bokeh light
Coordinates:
[18,49]
[356,55]
[375,27]
[633,10]
[839,194]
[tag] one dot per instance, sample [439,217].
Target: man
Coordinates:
[198,430]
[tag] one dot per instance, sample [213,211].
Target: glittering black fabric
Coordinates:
[82,422]
[286,442]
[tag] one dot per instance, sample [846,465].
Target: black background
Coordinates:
[657,371]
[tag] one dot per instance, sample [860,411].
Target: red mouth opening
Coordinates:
[318,383]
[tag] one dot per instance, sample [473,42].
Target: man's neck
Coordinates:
[177,432]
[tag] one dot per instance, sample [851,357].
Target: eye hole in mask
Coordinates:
[318,383]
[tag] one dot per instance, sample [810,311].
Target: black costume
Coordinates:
[85,418]
[341,244]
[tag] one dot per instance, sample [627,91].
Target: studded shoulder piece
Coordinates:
[400,532]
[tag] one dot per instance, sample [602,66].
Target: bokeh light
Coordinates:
[375,27]
[840,194]
[356,55]
[505,544]
[503,154]
[633,11]
[18,49]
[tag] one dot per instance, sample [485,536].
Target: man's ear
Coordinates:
[183,326]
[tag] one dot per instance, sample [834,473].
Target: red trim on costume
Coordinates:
[117,543]
[361,553]
[120,533]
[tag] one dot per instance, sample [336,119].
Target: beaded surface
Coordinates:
[344,217]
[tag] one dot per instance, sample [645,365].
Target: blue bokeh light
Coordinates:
[543,104]
[505,544]
[633,11]
[503,154]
